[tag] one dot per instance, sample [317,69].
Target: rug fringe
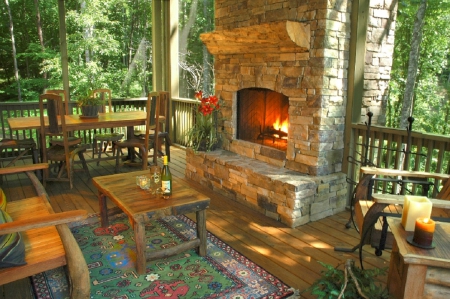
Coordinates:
[295,295]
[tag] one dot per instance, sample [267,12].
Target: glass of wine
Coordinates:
[155,180]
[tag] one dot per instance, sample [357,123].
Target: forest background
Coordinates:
[109,46]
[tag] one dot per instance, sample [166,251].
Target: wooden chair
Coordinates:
[164,119]
[105,138]
[164,127]
[48,241]
[55,142]
[63,93]
[370,209]
[15,149]
[147,140]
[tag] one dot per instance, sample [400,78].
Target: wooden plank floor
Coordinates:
[291,254]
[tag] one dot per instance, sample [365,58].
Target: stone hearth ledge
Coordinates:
[287,196]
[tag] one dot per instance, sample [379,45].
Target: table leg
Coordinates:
[131,155]
[139,236]
[103,210]
[201,231]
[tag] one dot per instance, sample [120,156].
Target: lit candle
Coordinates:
[423,232]
[415,207]
[143,182]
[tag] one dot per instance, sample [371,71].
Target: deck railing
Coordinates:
[388,148]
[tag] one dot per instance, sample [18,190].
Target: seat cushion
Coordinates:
[12,248]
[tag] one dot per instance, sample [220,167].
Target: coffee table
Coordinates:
[141,206]
[416,272]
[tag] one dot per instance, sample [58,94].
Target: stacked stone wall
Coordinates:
[284,195]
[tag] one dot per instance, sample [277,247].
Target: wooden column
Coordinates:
[63,47]
[359,15]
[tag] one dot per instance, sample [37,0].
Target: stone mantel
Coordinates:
[277,37]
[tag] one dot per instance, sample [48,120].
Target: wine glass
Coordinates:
[155,179]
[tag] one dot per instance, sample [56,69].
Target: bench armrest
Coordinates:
[405,173]
[42,221]
[23,168]
[398,199]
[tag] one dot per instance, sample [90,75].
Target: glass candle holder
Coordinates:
[138,180]
[144,182]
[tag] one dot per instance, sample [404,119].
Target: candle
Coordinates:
[415,207]
[143,182]
[423,232]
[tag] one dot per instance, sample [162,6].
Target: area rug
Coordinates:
[110,255]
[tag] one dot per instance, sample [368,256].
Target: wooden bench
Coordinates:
[49,243]
[368,207]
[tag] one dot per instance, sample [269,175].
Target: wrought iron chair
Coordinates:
[55,142]
[104,138]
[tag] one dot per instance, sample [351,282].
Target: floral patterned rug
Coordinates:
[110,253]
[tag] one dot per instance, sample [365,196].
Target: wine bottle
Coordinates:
[166,179]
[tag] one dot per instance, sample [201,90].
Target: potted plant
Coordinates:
[203,135]
[350,283]
[89,105]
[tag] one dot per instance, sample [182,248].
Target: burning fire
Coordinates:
[281,127]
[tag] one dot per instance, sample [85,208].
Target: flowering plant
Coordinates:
[203,134]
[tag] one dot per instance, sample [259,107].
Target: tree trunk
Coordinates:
[184,34]
[206,65]
[39,29]
[16,69]
[407,106]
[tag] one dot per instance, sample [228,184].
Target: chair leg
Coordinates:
[83,162]
[119,152]
[99,151]
[94,147]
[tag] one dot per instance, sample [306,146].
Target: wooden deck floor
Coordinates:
[290,254]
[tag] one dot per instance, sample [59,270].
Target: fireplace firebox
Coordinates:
[262,117]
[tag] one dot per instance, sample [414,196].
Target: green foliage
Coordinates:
[332,281]
[88,100]
[103,38]
[203,134]
[431,98]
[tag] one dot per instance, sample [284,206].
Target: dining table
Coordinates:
[76,122]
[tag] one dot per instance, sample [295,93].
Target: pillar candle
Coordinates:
[423,231]
[415,207]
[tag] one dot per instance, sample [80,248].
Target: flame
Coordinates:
[282,127]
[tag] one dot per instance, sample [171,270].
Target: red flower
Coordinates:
[207,104]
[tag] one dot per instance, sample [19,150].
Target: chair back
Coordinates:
[152,121]
[63,93]
[106,95]
[164,114]
[52,113]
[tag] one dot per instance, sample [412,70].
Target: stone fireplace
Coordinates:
[278,61]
